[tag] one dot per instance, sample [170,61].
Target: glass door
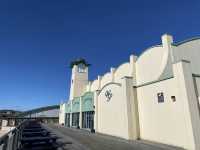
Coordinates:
[75,119]
[67,119]
[88,119]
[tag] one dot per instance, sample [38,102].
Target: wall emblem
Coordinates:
[108,95]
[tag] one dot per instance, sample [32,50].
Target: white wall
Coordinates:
[106,79]
[161,122]
[189,51]
[197,87]
[121,71]
[115,75]
[95,85]
[151,64]
[112,115]
[62,113]
[172,123]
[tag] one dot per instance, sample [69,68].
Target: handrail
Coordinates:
[11,140]
[6,134]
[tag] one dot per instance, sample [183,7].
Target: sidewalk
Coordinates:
[84,140]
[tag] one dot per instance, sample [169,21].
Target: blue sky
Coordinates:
[39,38]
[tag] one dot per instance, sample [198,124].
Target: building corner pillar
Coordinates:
[186,92]
[131,108]
[96,111]
[80,114]
[132,62]
[70,124]
[64,114]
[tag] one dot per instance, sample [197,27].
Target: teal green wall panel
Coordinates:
[76,105]
[68,107]
[88,102]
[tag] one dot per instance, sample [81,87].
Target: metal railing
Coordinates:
[11,140]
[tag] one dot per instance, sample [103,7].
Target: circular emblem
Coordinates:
[108,95]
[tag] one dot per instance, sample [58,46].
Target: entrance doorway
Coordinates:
[67,119]
[75,119]
[88,119]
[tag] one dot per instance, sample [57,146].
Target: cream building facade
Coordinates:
[154,97]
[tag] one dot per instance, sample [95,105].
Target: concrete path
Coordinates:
[75,139]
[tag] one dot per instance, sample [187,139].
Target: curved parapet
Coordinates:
[152,64]
[189,50]
[115,74]
[95,85]
[123,70]
[186,41]
[106,79]
[110,83]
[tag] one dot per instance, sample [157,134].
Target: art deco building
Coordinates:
[152,97]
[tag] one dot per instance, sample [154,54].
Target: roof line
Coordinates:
[185,41]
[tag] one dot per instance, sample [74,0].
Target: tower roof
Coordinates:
[79,61]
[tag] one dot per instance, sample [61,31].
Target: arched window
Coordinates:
[81,68]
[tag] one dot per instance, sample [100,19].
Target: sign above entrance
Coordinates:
[108,95]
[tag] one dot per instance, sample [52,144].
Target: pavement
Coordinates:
[76,139]
[3,132]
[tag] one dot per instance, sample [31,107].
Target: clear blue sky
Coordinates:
[39,38]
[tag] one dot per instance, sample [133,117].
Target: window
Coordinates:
[173,98]
[160,97]
[67,119]
[75,119]
[88,119]
[81,68]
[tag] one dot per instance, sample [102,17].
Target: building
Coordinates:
[47,114]
[152,97]
[8,114]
